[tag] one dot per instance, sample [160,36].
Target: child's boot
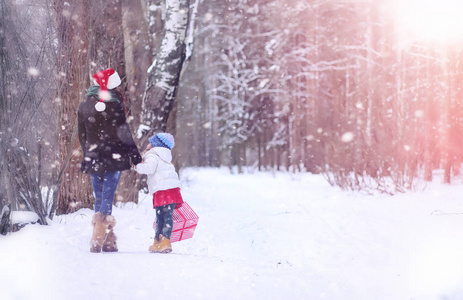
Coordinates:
[155,245]
[110,242]
[161,246]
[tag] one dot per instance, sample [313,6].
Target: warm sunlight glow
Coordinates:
[440,20]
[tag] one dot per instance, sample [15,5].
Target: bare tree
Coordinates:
[24,85]
[86,45]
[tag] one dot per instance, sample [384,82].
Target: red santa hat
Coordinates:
[107,80]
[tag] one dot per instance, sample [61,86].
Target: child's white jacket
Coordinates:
[157,164]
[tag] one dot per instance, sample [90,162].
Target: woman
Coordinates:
[108,148]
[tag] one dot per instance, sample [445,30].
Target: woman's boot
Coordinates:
[110,242]
[99,232]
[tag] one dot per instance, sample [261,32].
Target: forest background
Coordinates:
[322,86]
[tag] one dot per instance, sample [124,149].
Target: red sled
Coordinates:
[185,221]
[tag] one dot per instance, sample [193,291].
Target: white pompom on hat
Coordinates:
[107,80]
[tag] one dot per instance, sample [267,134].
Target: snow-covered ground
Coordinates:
[259,236]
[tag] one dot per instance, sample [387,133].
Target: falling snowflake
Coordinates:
[310,137]
[33,72]
[348,137]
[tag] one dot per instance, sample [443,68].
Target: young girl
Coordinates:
[164,185]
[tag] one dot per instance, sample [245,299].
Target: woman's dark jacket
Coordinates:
[105,137]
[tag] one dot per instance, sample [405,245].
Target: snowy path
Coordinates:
[260,236]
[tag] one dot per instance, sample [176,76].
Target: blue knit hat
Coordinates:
[162,139]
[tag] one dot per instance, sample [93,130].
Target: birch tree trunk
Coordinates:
[164,72]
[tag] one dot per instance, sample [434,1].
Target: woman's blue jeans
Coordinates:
[164,221]
[104,188]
